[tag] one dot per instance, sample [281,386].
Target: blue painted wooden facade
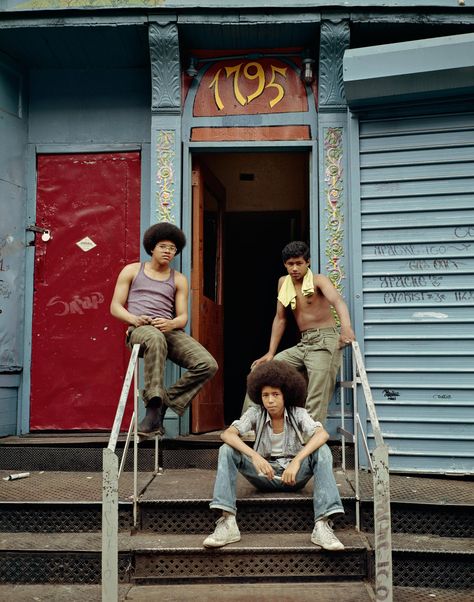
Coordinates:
[391,194]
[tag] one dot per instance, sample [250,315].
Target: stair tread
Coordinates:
[183,485]
[177,486]
[148,542]
[58,487]
[420,489]
[327,591]
[195,484]
[411,542]
[262,592]
[406,542]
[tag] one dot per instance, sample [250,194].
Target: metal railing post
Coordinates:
[135,446]
[380,473]
[356,439]
[110,479]
[343,423]
[110,527]
[382,526]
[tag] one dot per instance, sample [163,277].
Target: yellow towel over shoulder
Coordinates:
[287,294]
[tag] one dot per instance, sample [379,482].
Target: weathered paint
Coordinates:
[85,106]
[410,71]
[90,202]
[273,133]
[13,129]
[235,4]
[417,264]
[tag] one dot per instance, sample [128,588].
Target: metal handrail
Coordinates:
[110,479]
[378,461]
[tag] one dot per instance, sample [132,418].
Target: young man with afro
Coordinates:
[311,299]
[152,298]
[280,460]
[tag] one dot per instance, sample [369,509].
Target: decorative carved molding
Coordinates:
[165,67]
[165,175]
[333,193]
[334,41]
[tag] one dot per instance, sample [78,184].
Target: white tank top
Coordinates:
[277,443]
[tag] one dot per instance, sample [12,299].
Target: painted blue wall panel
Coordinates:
[13,134]
[85,106]
[417,216]
[8,406]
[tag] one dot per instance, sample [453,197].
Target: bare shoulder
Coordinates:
[130,271]
[180,279]
[322,281]
[281,280]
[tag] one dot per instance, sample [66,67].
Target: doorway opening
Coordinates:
[266,206]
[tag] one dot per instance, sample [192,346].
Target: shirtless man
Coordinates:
[152,298]
[310,298]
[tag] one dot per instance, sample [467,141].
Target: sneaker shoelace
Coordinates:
[327,526]
[222,526]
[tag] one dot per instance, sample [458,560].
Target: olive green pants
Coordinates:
[319,355]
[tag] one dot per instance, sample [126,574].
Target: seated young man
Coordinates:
[152,298]
[279,460]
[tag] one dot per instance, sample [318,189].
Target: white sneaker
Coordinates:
[323,535]
[226,531]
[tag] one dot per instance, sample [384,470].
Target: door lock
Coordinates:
[45,233]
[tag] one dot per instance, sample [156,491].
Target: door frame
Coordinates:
[191,149]
[23,410]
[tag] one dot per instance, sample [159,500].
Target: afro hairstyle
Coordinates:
[279,375]
[163,231]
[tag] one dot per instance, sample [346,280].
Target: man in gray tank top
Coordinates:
[152,298]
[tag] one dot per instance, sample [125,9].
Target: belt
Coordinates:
[325,329]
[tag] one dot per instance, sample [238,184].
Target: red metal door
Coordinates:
[91,205]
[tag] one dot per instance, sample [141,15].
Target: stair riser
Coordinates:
[162,518]
[252,517]
[435,570]
[58,518]
[258,518]
[89,459]
[225,564]
[57,567]
[450,521]
[409,569]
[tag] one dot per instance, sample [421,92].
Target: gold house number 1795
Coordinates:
[251,71]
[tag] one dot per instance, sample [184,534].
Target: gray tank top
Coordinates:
[150,297]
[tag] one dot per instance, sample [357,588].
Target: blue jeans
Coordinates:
[326,499]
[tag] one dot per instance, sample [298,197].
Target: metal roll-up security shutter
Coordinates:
[417,216]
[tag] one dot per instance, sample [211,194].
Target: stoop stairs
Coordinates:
[50,532]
